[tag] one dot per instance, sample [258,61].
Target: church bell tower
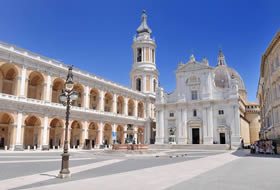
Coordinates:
[144,75]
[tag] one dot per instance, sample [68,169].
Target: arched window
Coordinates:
[139,54]
[155,85]
[194,113]
[138,84]
[35,86]
[94,99]
[108,102]
[8,79]
[58,85]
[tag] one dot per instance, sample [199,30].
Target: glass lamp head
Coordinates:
[69,85]
[62,98]
[74,96]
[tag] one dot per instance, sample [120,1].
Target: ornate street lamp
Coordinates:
[66,98]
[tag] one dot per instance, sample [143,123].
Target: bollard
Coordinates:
[78,147]
[28,147]
[53,147]
[35,147]
[6,147]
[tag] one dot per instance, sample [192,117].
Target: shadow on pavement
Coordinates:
[246,153]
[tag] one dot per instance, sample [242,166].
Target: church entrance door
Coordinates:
[2,142]
[222,138]
[195,135]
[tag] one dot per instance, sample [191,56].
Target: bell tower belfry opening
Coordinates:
[144,75]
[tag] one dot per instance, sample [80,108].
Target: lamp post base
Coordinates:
[63,176]
[65,172]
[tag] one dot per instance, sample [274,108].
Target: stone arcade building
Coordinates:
[31,115]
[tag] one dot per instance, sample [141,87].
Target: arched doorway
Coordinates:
[58,85]
[80,90]
[56,133]
[35,86]
[94,99]
[140,110]
[8,79]
[120,105]
[92,135]
[120,135]
[107,133]
[76,134]
[140,135]
[130,107]
[32,132]
[6,130]
[108,102]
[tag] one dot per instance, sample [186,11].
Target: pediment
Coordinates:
[193,66]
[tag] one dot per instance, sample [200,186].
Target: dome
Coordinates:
[223,75]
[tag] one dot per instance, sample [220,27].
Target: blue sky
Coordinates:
[96,36]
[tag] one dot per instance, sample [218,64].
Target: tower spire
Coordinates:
[221,58]
[144,26]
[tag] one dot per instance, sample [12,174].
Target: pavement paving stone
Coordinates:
[256,172]
[127,165]
[13,170]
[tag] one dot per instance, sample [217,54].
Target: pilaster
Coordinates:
[48,88]
[101,100]
[45,133]
[136,109]
[87,98]
[19,143]
[114,103]
[125,106]
[23,79]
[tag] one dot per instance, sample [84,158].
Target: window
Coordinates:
[155,85]
[272,68]
[276,117]
[221,112]
[138,84]
[139,54]
[194,95]
[171,114]
[277,62]
[194,113]
[153,55]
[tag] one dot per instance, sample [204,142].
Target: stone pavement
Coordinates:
[169,169]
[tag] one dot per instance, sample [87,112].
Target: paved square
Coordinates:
[162,169]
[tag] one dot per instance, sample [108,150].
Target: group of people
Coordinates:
[263,147]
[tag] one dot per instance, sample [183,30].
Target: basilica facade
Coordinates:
[208,106]
[31,116]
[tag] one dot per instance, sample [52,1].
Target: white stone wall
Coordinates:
[198,76]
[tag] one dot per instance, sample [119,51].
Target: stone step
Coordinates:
[191,146]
